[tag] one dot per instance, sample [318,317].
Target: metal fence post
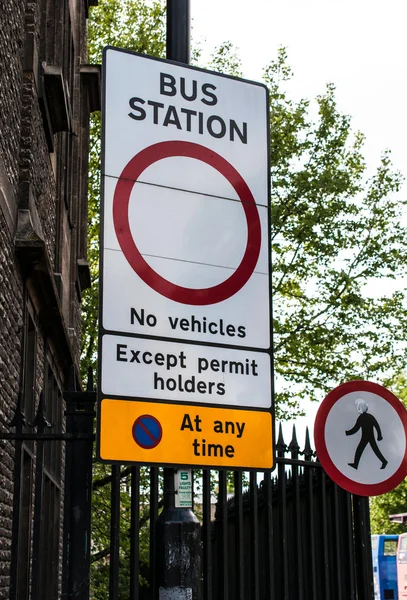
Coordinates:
[363,547]
[80,415]
[178,549]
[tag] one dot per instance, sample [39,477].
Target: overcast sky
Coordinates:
[359,45]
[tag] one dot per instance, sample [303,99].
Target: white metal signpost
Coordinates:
[361,438]
[185,328]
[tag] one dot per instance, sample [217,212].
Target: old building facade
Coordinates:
[47,92]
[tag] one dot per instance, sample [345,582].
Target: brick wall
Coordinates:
[11,51]
[10,348]
[11,44]
[43,168]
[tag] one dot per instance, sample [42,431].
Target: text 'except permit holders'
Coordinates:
[143,368]
[149,432]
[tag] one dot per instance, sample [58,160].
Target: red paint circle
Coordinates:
[362,489]
[183,295]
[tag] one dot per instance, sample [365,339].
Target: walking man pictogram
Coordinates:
[368,424]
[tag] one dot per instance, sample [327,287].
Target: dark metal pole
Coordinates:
[178,531]
[80,415]
[178,549]
[178,30]
[363,548]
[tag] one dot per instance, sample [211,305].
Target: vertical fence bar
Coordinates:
[282,503]
[337,550]
[310,518]
[294,449]
[351,548]
[224,555]
[269,561]
[254,537]
[325,536]
[363,545]
[239,540]
[134,533]
[153,518]
[206,534]
[114,534]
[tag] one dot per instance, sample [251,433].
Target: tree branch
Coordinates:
[98,483]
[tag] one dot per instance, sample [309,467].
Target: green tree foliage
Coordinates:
[394,502]
[334,231]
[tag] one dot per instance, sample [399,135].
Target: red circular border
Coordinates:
[158,440]
[183,295]
[362,489]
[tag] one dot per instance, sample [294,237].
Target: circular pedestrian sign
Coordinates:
[361,438]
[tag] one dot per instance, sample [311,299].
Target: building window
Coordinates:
[38,484]
[24,460]
[25,521]
[49,474]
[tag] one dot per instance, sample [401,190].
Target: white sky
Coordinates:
[359,45]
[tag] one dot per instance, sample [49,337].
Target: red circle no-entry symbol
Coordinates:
[184,295]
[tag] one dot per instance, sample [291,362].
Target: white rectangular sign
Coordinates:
[183,488]
[186,203]
[185,262]
[147,368]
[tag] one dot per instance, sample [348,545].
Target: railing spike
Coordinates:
[281,445]
[308,451]
[19,419]
[40,420]
[294,446]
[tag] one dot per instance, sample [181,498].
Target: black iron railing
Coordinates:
[287,535]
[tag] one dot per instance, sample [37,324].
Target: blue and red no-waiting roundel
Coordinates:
[147,432]
[125,184]
[361,438]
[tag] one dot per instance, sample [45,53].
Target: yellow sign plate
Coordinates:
[149,432]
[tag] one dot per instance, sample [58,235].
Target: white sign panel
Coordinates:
[185,283]
[360,438]
[147,368]
[186,223]
[183,488]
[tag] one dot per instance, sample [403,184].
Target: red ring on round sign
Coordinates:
[121,199]
[362,489]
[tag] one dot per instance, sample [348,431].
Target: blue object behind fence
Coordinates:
[384,555]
